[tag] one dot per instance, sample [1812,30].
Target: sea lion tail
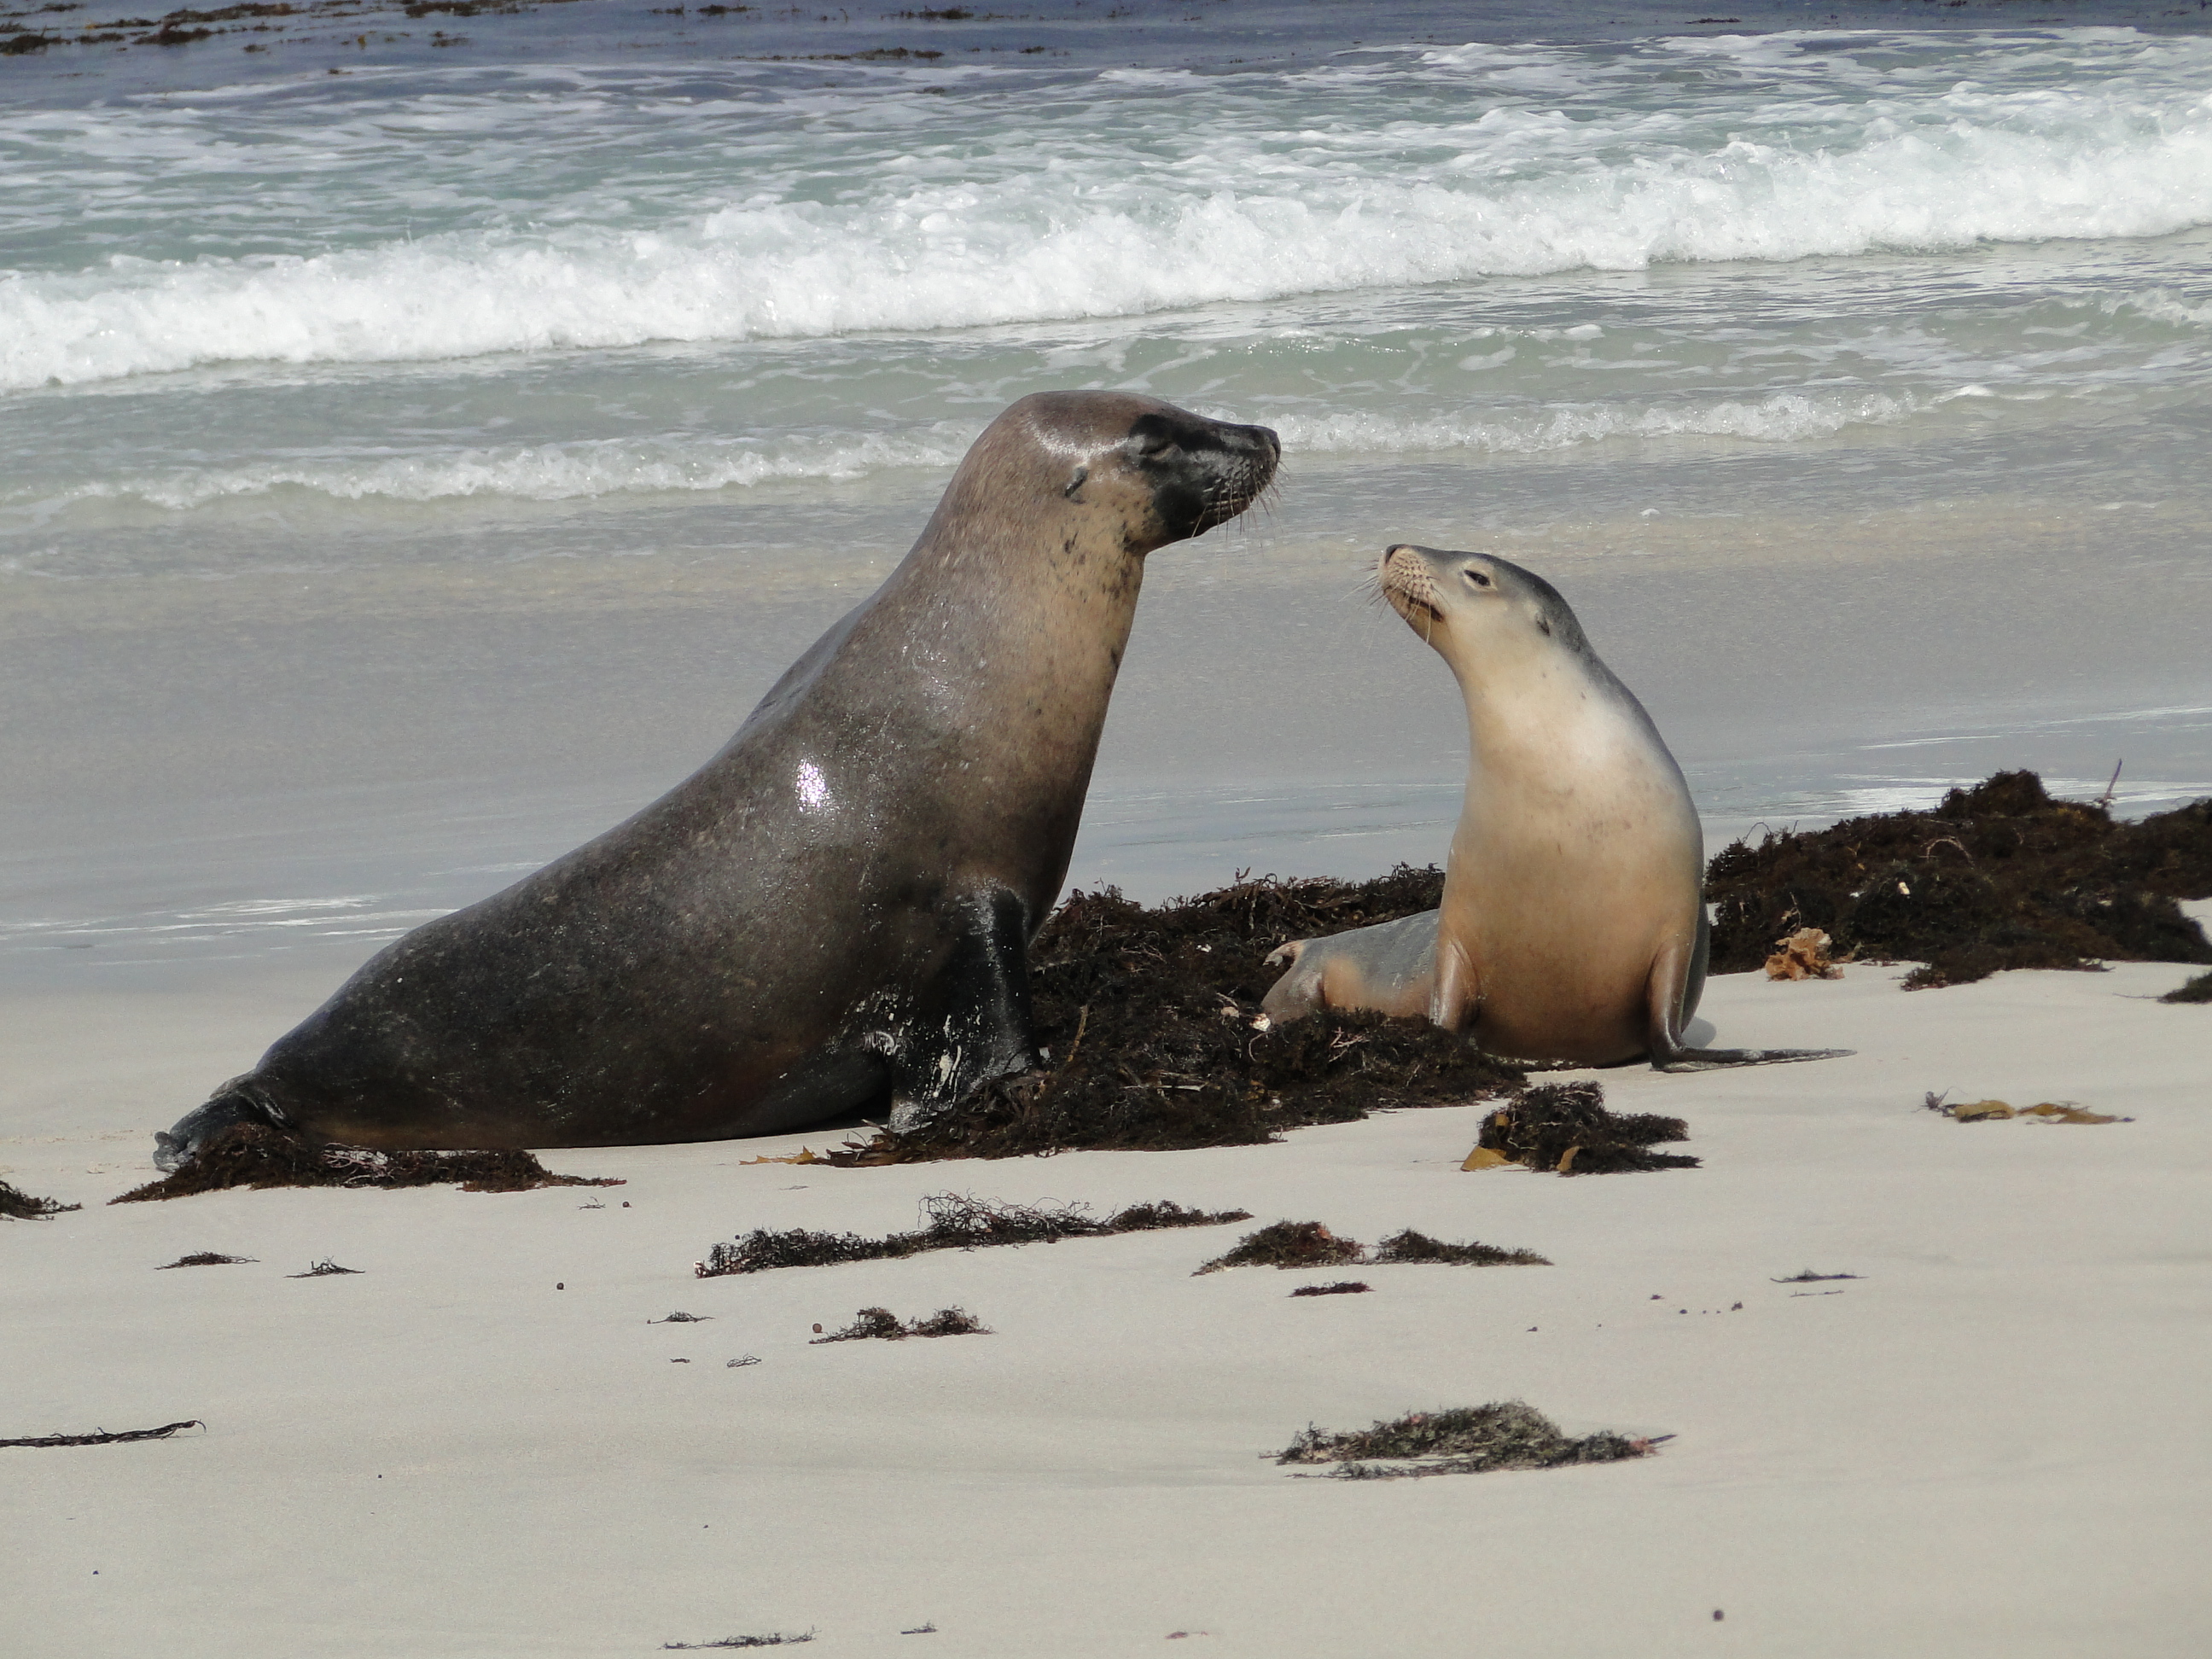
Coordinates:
[241,1100]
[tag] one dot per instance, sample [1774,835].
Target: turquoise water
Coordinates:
[411,470]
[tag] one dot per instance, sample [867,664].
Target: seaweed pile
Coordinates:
[17,1205]
[951,1221]
[1310,1244]
[1146,1019]
[1464,1440]
[1565,1126]
[1997,876]
[257,1155]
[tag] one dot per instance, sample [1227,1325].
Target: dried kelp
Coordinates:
[1146,1019]
[1310,1244]
[1803,955]
[881,1325]
[951,1221]
[1463,1440]
[1565,1126]
[2195,990]
[1290,1245]
[2048,1111]
[1338,1287]
[1415,1247]
[206,1259]
[1998,876]
[257,1155]
[16,1205]
[102,1437]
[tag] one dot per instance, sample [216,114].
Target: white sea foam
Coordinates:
[1781,417]
[539,472]
[583,470]
[1200,197]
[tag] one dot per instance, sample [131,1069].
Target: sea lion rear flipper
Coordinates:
[985,1030]
[1678,982]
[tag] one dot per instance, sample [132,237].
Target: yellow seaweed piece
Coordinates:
[1968,1111]
[804,1155]
[1486,1158]
[2061,1111]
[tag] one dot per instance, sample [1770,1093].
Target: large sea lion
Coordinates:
[836,911]
[1573,925]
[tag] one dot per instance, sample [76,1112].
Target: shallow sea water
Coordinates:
[412,470]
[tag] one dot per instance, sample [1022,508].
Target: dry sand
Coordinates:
[1992,1442]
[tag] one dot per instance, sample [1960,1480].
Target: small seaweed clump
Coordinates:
[881,1324]
[1464,1440]
[259,1155]
[1998,876]
[1565,1126]
[1338,1287]
[1146,1020]
[2195,990]
[951,1221]
[206,1259]
[774,1638]
[1411,1246]
[1310,1244]
[1290,1245]
[17,1205]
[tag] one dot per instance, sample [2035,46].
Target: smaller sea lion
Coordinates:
[1573,925]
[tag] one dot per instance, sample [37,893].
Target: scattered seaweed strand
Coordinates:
[102,1437]
[1310,1244]
[775,1639]
[951,1221]
[16,1205]
[259,1155]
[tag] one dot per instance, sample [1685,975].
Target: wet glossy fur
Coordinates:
[834,911]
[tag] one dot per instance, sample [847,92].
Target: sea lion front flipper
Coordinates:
[1678,981]
[1455,993]
[984,1030]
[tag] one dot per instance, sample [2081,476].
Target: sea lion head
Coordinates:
[1476,608]
[1143,470]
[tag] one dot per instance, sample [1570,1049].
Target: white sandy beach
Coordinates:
[1992,1442]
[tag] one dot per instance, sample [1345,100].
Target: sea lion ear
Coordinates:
[1075,483]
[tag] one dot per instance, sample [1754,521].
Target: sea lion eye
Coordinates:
[1076,483]
[1152,438]
[1477,578]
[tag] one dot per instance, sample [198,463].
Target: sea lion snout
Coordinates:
[1430,587]
[1407,576]
[1203,472]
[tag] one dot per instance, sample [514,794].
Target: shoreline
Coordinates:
[173,49]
